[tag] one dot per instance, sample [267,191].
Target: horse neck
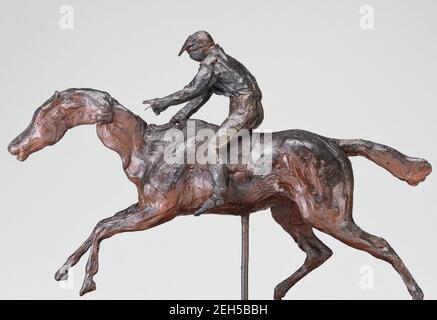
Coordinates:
[124,134]
[118,128]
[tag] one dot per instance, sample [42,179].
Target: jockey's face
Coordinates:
[197,54]
[198,45]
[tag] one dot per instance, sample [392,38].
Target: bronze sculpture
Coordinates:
[310,184]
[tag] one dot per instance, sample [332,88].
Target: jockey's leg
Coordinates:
[247,114]
[218,172]
[227,131]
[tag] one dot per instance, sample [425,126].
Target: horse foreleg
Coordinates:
[62,273]
[135,221]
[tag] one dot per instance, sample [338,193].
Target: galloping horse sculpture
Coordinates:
[310,184]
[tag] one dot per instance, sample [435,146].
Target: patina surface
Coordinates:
[310,184]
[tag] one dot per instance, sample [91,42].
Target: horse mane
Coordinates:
[102,98]
[152,133]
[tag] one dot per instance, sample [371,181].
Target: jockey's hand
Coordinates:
[156,104]
[178,118]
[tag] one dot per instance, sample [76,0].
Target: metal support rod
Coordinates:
[245,257]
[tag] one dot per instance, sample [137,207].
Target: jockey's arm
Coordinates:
[197,88]
[193,106]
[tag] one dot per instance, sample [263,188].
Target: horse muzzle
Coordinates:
[20,153]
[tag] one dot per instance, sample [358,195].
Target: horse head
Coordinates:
[59,113]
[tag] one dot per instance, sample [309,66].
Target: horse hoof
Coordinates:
[417,295]
[278,295]
[62,274]
[88,286]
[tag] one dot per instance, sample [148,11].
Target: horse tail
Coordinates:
[409,169]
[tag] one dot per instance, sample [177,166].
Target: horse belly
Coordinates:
[195,188]
[254,193]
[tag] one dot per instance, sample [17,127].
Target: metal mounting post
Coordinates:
[245,257]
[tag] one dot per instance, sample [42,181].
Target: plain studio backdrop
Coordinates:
[318,70]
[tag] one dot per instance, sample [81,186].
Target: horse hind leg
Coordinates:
[349,233]
[338,222]
[317,252]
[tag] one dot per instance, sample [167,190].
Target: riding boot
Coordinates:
[219,173]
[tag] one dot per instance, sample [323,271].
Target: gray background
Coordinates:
[318,71]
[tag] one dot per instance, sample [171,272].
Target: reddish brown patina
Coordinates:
[310,184]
